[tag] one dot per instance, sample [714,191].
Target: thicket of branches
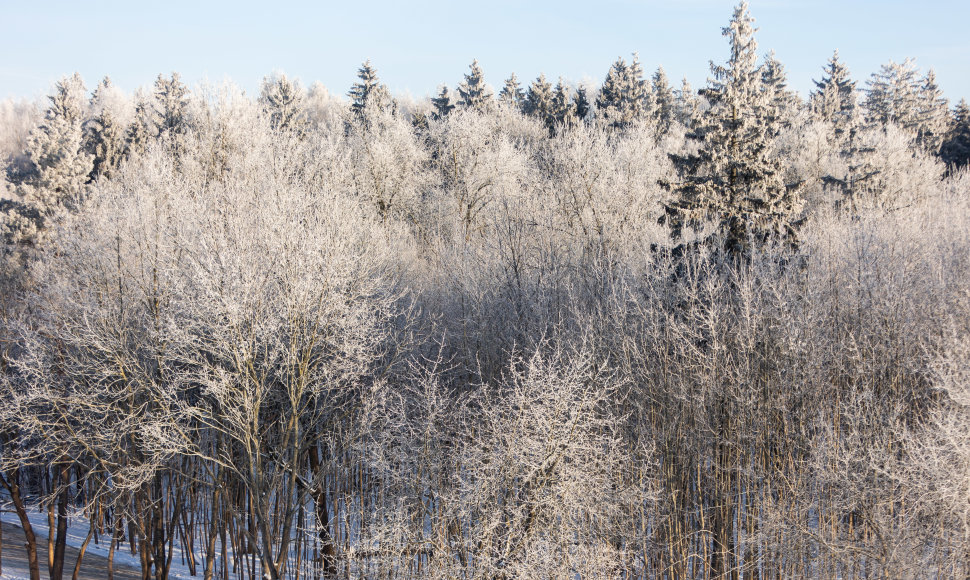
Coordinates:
[635,332]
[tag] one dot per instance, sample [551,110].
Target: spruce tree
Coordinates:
[563,108]
[60,169]
[472,92]
[171,111]
[893,95]
[897,95]
[539,100]
[687,105]
[368,91]
[143,128]
[512,94]
[783,104]
[933,115]
[664,107]
[732,180]
[624,97]
[442,103]
[284,101]
[955,151]
[104,138]
[834,100]
[611,94]
[582,104]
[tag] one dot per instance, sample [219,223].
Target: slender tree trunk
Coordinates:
[60,542]
[84,548]
[117,536]
[13,488]
[328,549]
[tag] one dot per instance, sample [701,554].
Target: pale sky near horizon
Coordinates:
[418,45]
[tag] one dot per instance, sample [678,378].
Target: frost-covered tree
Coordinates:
[583,106]
[563,105]
[956,149]
[59,168]
[893,95]
[104,136]
[688,105]
[512,93]
[442,103]
[142,130]
[897,95]
[783,103]
[539,100]
[368,90]
[834,100]
[733,179]
[386,164]
[664,106]
[934,115]
[624,96]
[284,101]
[473,93]
[171,111]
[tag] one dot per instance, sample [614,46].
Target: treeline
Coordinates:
[637,332]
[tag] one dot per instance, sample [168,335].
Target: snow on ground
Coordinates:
[77,530]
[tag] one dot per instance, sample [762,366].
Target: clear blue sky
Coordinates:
[420,44]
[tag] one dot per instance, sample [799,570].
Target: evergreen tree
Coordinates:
[892,96]
[171,111]
[512,94]
[539,100]
[638,97]
[897,95]
[955,151]
[143,128]
[611,94]
[624,96]
[834,100]
[687,105]
[104,138]
[933,115]
[563,108]
[284,101]
[368,91]
[442,103]
[664,106]
[472,92]
[60,169]
[582,104]
[783,104]
[732,180]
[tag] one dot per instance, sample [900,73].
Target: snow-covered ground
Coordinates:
[76,532]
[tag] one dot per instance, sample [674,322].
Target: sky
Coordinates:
[418,45]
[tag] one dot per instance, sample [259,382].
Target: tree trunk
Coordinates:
[13,487]
[328,550]
[84,548]
[60,542]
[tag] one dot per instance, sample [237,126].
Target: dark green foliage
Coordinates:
[104,138]
[472,92]
[368,91]
[442,103]
[732,181]
[956,149]
[624,96]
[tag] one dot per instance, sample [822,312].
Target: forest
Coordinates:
[633,331]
